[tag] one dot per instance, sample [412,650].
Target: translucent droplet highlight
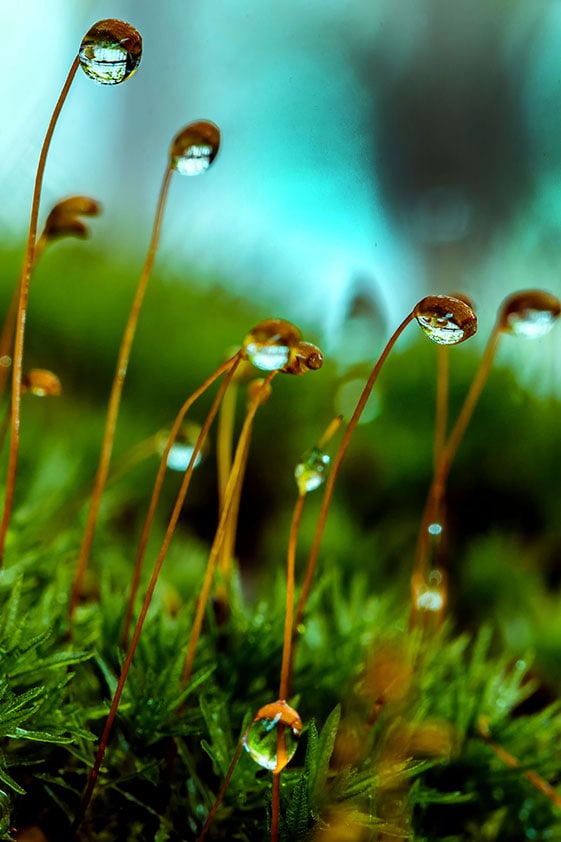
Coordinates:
[269,344]
[110,51]
[446,320]
[430,593]
[272,738]
[195,147]
[181,451]
[312,471]
[531,313]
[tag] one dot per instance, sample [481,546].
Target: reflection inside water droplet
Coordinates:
[110,52]
[182,449]
[435,529]
[269,344]
[312,471]
[530,313]
[276,726]
[532,324]
[195,147]
[445,320]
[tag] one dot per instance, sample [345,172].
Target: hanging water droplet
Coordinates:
[303,357]
[110,51]
[182,449]
[430,594]
[41,383]
[269,344]
[446,320]
[312,471]
[195,147]
[531,313]
[273,723]
[64,219]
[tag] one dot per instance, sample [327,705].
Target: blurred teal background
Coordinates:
[372,151]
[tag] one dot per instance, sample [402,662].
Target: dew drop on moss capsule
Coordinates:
[269,344]
[262,737]
[312,471]
[446,320]
[195,147]
[110,51]
[531,313]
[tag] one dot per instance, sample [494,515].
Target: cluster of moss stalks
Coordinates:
[428,714]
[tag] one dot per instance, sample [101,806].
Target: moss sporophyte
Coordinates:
[128,695]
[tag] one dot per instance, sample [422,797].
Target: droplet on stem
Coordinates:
[446,320]
[182,448]
[303,357]
[41,383]
[430,593]
[311,472]
[260,740]
[195,147]
[64,219]
[531,313]
[110,51]
[269,344]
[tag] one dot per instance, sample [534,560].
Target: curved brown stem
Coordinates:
[224,464]
[287,659]
[222,526]
[222,791]
[229,367]
[23,297]
[115,398]
[330,484]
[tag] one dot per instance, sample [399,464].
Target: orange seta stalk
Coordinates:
[337,461]
[229,496]
[449,450]
[115,398]
[88,792]
[229,367]
[24,283]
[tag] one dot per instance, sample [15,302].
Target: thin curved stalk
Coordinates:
[229,367]
[436,492]
[115,398]
[222,527]
[88,792]
[330,484]
[23,298]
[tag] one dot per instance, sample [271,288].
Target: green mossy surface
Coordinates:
[423,770]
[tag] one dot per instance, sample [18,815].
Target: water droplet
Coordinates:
[5,361]
[269,344]
[64,219]
[195,147]
[40,382]
[181,450]
[110,51]
[435,529]
[446,320]
[531,313]
[303,357]
[430,594]
[273,721]
[312,471]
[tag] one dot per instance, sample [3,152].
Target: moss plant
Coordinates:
[400,698]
